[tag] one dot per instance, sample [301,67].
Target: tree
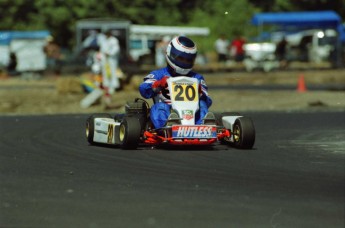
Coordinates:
[225,16]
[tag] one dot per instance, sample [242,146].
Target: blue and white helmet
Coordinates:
[181,54]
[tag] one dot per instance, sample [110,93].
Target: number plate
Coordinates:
[184,91]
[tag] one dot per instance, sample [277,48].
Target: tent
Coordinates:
[312,19]
[7,36]
[303,20]
[27,46]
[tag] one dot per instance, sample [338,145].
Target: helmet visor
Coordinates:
[182,59]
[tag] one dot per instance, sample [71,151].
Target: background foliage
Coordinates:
[229,17]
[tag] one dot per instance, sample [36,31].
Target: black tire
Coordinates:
[90,125]
[243,133]
[129,133]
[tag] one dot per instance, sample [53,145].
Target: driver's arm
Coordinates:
[152,85]
[204,92]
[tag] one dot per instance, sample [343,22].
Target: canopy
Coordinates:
[305,20]
[7,36]
[302,20]
[314,19]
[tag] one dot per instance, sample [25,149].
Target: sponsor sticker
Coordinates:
[110,133]
[187,114]
[194,132]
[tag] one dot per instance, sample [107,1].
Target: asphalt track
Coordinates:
[294,177]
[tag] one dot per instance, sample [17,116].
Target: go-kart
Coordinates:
[134,127]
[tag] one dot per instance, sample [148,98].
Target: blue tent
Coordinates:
[7,36]
[312,19]
[304,20]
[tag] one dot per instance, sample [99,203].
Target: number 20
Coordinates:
[189,92]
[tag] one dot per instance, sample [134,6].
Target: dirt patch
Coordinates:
[51,95]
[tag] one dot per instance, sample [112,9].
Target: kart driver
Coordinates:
[180,56]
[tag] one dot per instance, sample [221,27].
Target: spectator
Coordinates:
[110,52]
[90,42]
[90,46]
[221,46]
[96,65]
[237,48]
[281,52]
[53,55]
[303,48]
[12,65]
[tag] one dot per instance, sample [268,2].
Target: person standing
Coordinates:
[12,65]
[237,48]
[221,46]
[110,52]
[281,52]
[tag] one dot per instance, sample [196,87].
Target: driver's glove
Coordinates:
[160,84]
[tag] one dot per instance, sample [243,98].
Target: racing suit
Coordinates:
[160,111]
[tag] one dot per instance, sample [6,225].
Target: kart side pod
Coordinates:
[101,128]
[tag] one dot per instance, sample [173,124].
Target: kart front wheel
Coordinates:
[243,133]
[90,125]
[129,133]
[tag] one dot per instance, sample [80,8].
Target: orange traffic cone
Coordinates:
[301,84]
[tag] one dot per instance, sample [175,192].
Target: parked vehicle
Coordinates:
[314,46]
[137,41]
[313,36]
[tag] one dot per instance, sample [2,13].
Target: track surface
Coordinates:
[51,177]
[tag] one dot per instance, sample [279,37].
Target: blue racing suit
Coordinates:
[160,110]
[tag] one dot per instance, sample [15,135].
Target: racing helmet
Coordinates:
[181,54]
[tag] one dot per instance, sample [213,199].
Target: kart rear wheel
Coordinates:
[90,125]
[129,133]
[243,133]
